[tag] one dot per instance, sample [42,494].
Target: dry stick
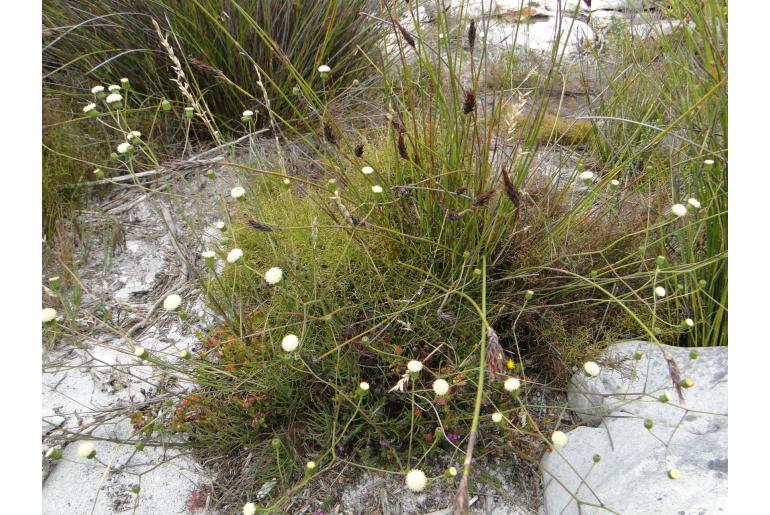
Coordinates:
[270,116]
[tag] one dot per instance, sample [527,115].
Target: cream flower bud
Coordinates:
[679,210]
[497,417]
[237,192]
[441,387]
[615,183]
[172,302]
[290,343]
[310,466]
[693,203]
[140,352]
[220,225]
[324,69]
[586,176]
[113,88]
[591,369]
[363,386]
[414,366]
[511,384]
[416,480]
[376,188]
[708,162]
[49,315]
[674,473]
[234,255]
[114,98]
[86,450]
[660,291]
[688,322]
[274,275]
[367,170]
[559,439]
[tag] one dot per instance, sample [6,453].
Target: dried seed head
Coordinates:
[469,102]
[483,199]
[260,226]
[405,33]
[472,35]
[359,151]
[402,147]
[510,189]
[329,134]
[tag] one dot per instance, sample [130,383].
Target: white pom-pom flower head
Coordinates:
[86,450]
[414,366]
[440,387]
[367,170]
[679,210]
[693,203]
[125,148]
[323,69]
[290,342]
[234,255]
[512,384]
[97,89]
[376,188]
[660,291]
[416,480]
[591,369]
[172,302]
[497,417]
[586,177]
[249,508]
[273,276]
[559,439]
[114,99]
[238,192]
[49,315]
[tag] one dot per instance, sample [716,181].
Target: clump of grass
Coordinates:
[104,40]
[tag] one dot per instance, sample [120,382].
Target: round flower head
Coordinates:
[286,182]
[88,108]
[441,387]
[660,291]
[511,384]
[591,369]
[614,183]
[674,473]
[377,188]
[220,225]
[367,170]
[140,352]
[113,98]
[124,81]
[708,162]
[249,508]
[310,465]
[185,354]
[124,147]
[86,450]
[559,439]
[237,192]
[586,176]
[416,480]
[324,69]
[172,302]
[97,89]
[290,343]
[208,254]
[363,386]
[689,322]
[133,135]
[497,417]
[234,255]
[414,366]
[248,113]
[679,210]
[113,88]
[274,275]
[451,471]
[49,314]
[693,203]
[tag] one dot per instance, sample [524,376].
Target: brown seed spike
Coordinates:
[260,226]
[407,37]
[402,147]
[469,102]
[510,189]
[359,151]
[472,35]
[483,199]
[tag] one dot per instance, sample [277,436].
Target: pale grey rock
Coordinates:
[631,476]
